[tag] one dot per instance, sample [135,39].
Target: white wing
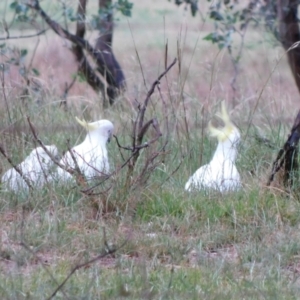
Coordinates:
[200,179]
[11,180]
[35,168]
[91,162]
[222,177]
[229,179]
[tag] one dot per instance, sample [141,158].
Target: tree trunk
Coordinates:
[289,34]
[84,66]
[114,74]
[107,77]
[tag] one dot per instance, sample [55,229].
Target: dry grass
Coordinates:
[205,245]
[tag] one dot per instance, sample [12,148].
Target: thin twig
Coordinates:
[166,116]
[43,265]
[23,36]
[107,251]
[151,91]
[67,89]
[79,176]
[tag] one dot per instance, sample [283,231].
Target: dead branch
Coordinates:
[139,131]
[152,122]
[19,171]
[27,248]
[107,251]
[89,190]
[151,91]
[166,116]
[80,178]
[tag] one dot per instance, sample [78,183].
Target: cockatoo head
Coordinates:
[102,128]
[40,155]
[228,133]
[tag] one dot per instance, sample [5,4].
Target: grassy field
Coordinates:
[169,244]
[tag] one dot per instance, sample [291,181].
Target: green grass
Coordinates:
[179,245]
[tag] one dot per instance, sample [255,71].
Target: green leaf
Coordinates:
[125,7]
[81,77]
[194,8]
[35,71]
[208,37]
[214,14]
[13,5]
[23,52]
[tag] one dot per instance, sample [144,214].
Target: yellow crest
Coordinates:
[222,133]
[86,125]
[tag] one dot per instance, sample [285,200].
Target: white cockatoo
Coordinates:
[221,173]
[91,155]
[35,168]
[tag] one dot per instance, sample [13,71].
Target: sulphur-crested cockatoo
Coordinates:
[91,155]
[221,173]
[35,168]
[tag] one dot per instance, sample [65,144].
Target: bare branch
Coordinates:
[151,91]
[119,145]
[107,251]
[152,122]
[43,265]
[80,178]
[139,130]
[8,37]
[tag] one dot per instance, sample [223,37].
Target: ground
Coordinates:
[169,243]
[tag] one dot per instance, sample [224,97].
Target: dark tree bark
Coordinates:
[289,34]
[287,157]
[107,77]
[114,74]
